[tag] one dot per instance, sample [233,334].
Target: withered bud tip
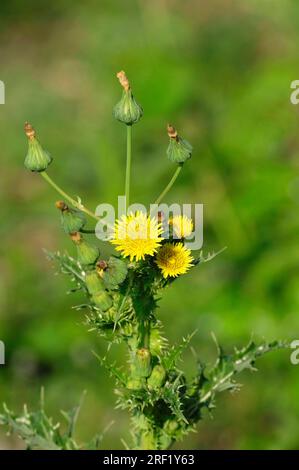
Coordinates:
[161,216]
[61,205]
[171,131]
[102,264]
[76,237]
[29,131]
[123,80]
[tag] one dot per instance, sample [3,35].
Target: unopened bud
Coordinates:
[127,110]
[94,283]
[37,159]
[114,273]
[170,426]
[71,220]
[135,383]
[179,150]
[157,377]
[142,363]
[87,253]
[102,300]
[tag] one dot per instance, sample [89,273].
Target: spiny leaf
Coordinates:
[68,265]
[174,354]
[116,372]
[220,376]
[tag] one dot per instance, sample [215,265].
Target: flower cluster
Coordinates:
[139,236]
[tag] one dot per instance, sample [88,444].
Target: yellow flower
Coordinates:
[174,259]
[137,235]
[182,226]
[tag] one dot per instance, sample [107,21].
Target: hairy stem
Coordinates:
[128,164]
[170,184]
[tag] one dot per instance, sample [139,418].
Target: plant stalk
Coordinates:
[128,165]
[170,184]
[75,203]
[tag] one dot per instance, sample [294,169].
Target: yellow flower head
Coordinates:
[182,226]
[137,235]
[174,259]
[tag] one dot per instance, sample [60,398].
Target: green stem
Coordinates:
[128,164]
[75,203]
[85,230]
[144,333]
[170,184]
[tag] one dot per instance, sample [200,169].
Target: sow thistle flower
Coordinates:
[137,235]
[181,226]
[174,259]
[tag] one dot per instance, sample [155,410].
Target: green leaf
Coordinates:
[221,376]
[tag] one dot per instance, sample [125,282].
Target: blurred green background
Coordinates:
[221,72]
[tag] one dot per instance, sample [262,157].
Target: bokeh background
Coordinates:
[221,72]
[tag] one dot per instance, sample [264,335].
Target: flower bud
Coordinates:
[127,110]
[102,300]
[94,283]
[142,363]
[71,220]
[135,383]
[114,273]
[179,150]
[170,426]
[87,253]
[37,159]
[148,441]
[157,377]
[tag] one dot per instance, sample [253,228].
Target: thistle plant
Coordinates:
[121,297]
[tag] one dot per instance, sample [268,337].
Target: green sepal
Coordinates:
[37,159]
[87,253]
[179,150]
[127,110]
[115,273]
[94,283]
[171,426]
[72,220]
[157,378]
[137,383]
[102,300]
[141,366]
